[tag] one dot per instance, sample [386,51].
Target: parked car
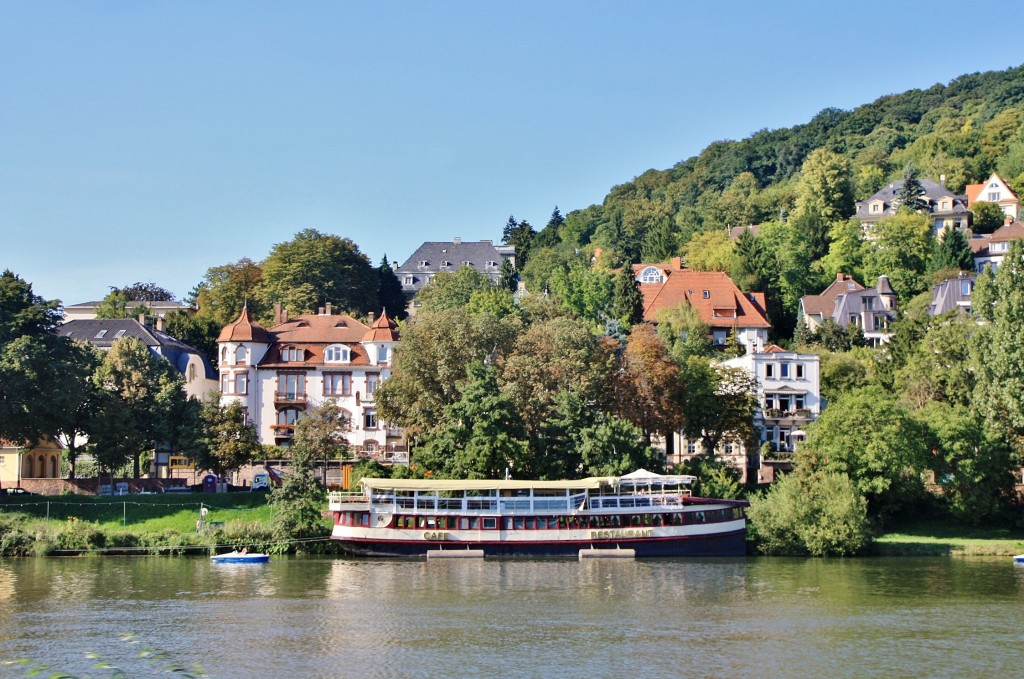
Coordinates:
[15,491]
[261,481]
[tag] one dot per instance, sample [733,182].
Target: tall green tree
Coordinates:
[452,289]
[196,331]
[825,187]
[911,193]
[952,251]
[901,250]
[998,347]
[718,401]
[651,384]
[627,300]
[22,312]
[117,304]
[508,278]
[146,292]
[315,268]
[389,291]
[299,501]
[520,235]
[987,217]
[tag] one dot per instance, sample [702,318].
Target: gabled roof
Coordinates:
[102,333]
[934,191]
[1004,234]
[825,303]
[720,303]
[974,191]
[244,330]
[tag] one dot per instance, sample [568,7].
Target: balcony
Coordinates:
[798,416]
[289,398]
[283,431]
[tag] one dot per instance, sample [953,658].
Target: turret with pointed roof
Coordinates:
[244,330]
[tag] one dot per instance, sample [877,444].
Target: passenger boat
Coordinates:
[652,514]
[240,557]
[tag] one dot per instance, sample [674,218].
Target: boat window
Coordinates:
[474,523]
[552,522]
[635,519]
[531,522]
[656,520]
[508,523]
[490,523]
[421,522]
[364,519]
[442,522]
[520,523]
[616,521]
[463,523]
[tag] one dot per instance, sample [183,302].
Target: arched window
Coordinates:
[53,467]
[42,467]
[650,275]
[192,372]
[28,467]
[337,353]
[240,354]
[223,354]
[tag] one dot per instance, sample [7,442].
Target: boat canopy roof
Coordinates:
[592,483]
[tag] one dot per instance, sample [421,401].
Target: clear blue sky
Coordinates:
[149,141]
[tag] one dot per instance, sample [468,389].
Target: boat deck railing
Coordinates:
[421,503]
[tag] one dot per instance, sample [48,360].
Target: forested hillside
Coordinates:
[800,184]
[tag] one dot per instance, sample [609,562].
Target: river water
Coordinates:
[330,617]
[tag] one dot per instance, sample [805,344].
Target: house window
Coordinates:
[650,275]
[241,383]
[445,264]
[119,334]
[945,205]
[993,196]
[799,371]
[769,370]
[337,384]
[372,380]
[289,416]
[424,262]
[466,262]
[292,386]
[492,264]
[869,303]
[408,280]
[223,354]
[192,372]
[853,320]
[729,448]
[784,371]
[875,207]
[225,384]
[798,401]
[382,354]
[370,418]
[291,354]
[337,353]
[240,355]
[691,447]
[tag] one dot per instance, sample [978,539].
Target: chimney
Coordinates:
[677,262]
[277,314]
[1008,220]
[160,323]
[320,311]
[142,319]
[394,265]
[457,240]
[839,276]
[369,317]
[327,308]
[284,315]
[942,180]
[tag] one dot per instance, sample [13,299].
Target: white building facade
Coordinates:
[281,373]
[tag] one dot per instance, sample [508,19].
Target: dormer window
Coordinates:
[492,264]
[424,262]
[650,275]
[466,262]
[707,294]
[292,355]
[445,264]
[337,353]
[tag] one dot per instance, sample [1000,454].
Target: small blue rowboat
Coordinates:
[1019,559]
[240,557]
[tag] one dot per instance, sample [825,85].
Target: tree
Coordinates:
[952,251]
[717,401]
[146,292]
[196,331]
[315,268]
[46,389]
[709,251]
[585,289]
[821,515]
[627,300]
[938,367]
[229,439]
[508,278]
[389,290]
[845,250]
[519,235]
[140,391]
[825,188]
[482,434]
[22,312]
[997,347]
[868,436]
[321,433]
[684,333]
[118,304]
[452,289]
[901,250]
[715,478]
[299,501]
[911,193]
[224,290]
[650,384]
[987,217]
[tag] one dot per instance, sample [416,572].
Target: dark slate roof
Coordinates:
[933,191]
[431,258]
[102,333]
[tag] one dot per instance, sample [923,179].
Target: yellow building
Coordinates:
[41,461]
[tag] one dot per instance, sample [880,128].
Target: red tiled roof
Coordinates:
[724,305]
[383,330]
[244,330]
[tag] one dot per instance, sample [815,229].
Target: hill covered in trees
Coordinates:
[800,184]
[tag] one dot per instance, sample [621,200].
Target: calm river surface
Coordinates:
[325,617]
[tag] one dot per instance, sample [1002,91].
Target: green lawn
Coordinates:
[145,513]
[935,537]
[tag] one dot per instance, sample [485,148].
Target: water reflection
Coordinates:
[311,617]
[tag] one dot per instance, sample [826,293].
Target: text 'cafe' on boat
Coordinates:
[652,514]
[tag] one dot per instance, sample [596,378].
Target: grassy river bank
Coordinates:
[176,524]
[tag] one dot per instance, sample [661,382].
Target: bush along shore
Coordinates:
[72,526]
